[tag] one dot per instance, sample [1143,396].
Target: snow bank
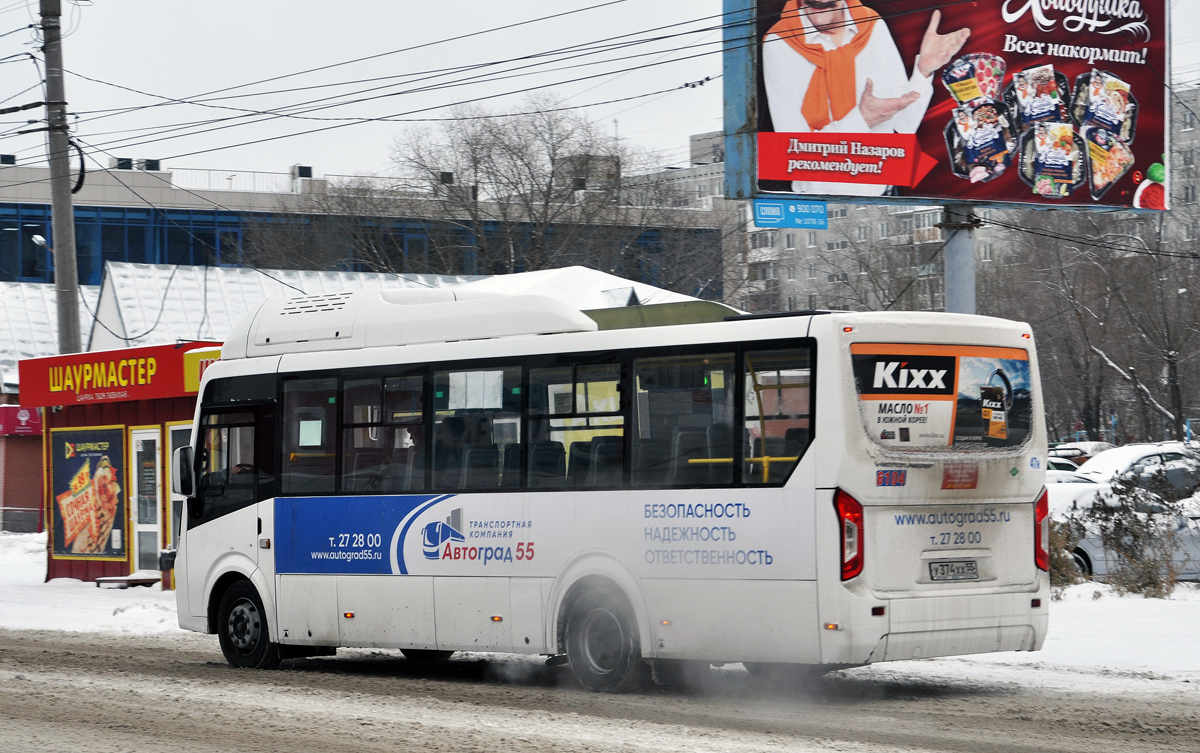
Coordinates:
[29,603]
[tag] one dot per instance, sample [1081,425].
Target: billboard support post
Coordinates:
[741,103]
[959,263]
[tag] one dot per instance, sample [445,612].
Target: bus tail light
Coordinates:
[1041,531]
[850,520]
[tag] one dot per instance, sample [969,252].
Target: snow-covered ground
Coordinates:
[1113,643]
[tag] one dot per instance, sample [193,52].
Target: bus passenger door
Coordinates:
[222,519]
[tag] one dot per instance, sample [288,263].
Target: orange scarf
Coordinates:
[833,86]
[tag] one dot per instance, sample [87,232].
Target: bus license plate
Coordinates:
[956,570]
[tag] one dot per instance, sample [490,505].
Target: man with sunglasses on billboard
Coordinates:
[832,66]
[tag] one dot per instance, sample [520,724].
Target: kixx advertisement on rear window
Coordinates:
[1052,102]
[958,396]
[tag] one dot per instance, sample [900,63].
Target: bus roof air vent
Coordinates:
[380,318]
[311,304]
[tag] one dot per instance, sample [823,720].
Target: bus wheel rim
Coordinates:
[603,641]
[245,626]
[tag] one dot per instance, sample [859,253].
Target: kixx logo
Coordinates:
[895,375]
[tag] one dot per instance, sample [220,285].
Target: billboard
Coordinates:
[87,508]
[1059,103]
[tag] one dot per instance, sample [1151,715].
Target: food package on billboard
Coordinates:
[1051,160]
[1102,99]
[974,77]
[1038,94]
[1108,158]
[980,140]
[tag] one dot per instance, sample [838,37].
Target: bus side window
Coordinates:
[778,405]
[308,464]
[476,427]
[383,435]
[684,434]
[576,426]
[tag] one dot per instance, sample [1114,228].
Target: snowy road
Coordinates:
[97,692]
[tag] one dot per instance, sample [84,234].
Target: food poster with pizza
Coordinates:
[87,507]
[943,396]
[1015,101]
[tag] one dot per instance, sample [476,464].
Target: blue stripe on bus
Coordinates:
[345,535]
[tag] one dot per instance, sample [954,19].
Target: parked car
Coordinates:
[1142,462]
[1060,464]
[1079,452]
[1071,494]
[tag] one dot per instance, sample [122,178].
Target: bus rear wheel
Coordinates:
[242,629]
[603,646]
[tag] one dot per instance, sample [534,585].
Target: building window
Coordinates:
[862,232]
[764,239]
[812,239]
[837,277]
[789,241]
[1189,194]
[701,190]
[837,245]
[1192,231]
[985,215]
[883,230]
[791,303]
[812,271]
[1189,120]
[791,271]
[985,251]
[1189,157]
[812,303]
[863,267]
[837,213]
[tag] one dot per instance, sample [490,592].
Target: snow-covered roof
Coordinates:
[29,324]
[156,304]
[583,288]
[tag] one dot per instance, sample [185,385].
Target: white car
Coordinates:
[1061,464]
[1142,461]
[1071,494]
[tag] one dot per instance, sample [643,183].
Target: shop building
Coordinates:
[111,420]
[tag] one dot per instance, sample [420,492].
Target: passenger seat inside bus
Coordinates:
[547,465]
[480,467]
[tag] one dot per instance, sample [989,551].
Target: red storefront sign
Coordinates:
[108,376]
[19,420]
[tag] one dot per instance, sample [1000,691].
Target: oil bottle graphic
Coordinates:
[996,400]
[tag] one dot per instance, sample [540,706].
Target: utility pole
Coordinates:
[66,272]
[959,262]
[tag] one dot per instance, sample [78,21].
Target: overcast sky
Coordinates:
[166,49]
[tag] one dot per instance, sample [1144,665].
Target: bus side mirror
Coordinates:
[182,482]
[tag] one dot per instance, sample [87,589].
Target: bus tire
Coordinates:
[604,649]
[425,655]
[242,629]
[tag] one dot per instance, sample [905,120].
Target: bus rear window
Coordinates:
[959,397]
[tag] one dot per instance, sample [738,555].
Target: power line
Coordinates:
[397,117]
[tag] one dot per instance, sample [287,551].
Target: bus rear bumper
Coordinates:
[920,628]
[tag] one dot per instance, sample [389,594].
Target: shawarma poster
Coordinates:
[1048,102]
[87,508]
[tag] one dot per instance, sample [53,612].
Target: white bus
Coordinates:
[419,471]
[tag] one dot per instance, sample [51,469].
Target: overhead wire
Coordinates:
[397,117]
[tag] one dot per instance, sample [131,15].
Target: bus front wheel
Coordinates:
[242,629]
[603,646]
